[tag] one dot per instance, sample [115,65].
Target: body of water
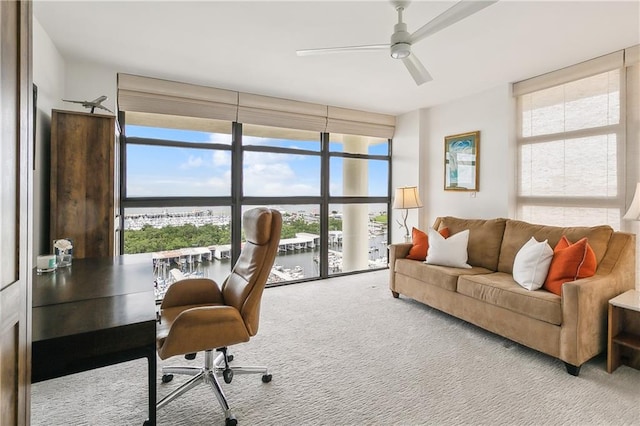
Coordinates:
[288,266]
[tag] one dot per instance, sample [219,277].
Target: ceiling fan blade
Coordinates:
[416,69]
[455,13]
[322,51]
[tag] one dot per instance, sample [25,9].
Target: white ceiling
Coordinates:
[250,46]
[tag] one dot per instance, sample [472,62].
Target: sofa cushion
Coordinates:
[501,290]
[441,276]
[517,233]
[485,238]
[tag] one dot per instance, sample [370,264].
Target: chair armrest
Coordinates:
[396,251]
[192,291]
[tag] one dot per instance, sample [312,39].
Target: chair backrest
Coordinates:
[244,286]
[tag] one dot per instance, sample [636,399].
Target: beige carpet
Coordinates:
[344,352]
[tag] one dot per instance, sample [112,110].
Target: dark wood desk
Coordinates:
[96,313]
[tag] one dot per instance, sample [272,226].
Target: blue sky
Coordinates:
[169,171]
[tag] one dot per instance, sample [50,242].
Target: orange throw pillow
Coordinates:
[421,243]
[570,262]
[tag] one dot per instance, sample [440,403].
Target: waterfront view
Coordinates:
[196,243]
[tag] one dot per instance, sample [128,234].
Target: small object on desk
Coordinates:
[623,345]
[63,248]
[45,263]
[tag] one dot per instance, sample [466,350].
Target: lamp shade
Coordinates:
[634,209]
[407,197]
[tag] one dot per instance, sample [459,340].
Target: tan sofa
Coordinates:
[571,328]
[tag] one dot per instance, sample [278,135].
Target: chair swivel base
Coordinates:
[208,375]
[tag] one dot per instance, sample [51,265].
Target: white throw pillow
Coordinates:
[450,251]
[531,264]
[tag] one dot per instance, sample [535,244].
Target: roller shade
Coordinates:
[632,55]
[565,75]
[276,112]
[354,122]
[153,95]
[145,94]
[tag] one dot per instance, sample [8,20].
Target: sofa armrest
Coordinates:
[585,302]
[396,251]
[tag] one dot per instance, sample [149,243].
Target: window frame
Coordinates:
[237,199]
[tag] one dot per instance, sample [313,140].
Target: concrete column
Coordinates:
[355,217]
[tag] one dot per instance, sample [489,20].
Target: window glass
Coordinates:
[184,241]
[358,177]
[357,237]
[170,159]
[299,251]
[271,174]
[161,171]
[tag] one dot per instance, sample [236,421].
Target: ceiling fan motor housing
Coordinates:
[400,45]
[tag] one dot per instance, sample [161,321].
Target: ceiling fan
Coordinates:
[401,40]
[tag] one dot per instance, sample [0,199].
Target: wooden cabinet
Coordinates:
[83,182]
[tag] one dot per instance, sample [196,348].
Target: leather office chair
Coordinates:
[196,315]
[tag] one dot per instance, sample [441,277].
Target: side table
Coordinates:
[623,344]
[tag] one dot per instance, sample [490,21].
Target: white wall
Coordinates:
[405,168]
[492,113]
[49,76]
[418,145]
[87,81]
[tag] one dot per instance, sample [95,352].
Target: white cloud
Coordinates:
[275,179]
[193,162]
[221,158]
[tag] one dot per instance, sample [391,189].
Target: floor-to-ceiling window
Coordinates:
[186,182]
[282,169]
[176,194]
[358,195]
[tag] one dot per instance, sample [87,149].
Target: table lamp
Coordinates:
[634,209]
[406,198]
[634,212]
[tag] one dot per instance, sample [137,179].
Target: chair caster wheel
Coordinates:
[190,356]
[266,378]
[166,378]
[229,358]
[230,421]
[227,374]
[147,423]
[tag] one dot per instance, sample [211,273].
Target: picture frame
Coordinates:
[461,162]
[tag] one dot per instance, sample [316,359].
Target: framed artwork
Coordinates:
[461,158]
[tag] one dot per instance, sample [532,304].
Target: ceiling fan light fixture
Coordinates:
[400,50]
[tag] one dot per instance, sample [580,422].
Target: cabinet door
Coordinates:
[15,241]
[82,182]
